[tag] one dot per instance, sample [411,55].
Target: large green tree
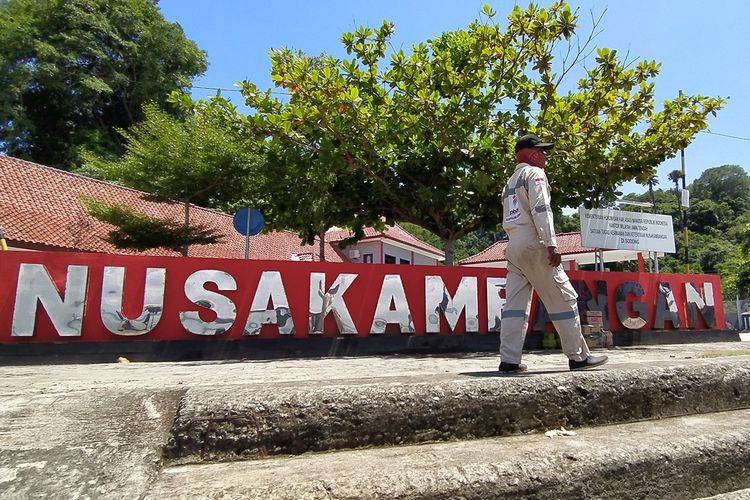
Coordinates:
[727,184]
[309,188]
[432,131]
[205,158]
[74,71]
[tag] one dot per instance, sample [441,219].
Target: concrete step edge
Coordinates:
[675,458]
[217,424]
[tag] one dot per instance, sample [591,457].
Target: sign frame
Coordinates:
[614,229]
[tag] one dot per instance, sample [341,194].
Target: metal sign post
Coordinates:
[247,234]
[248,222]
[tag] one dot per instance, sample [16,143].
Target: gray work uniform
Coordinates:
[527,218]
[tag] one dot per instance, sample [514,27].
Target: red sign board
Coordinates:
[57,296]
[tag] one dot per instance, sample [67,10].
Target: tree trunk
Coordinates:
[449,247]
[322,246]
[653,198]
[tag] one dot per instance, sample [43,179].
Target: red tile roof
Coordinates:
[567,243]
[395,233]
[40,209]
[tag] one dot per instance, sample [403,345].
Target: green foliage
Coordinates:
[136,231]
[73,72]
[204,158]
[303,191]
[567,223]
[727,185]
[707,216]
[719,231]
[675,176]
[713,253]
[665,202]
[735,276]
[427,137]
[652,182]
[466,246]
[422,234]
[744,239]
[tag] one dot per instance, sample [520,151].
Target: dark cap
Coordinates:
[532,141]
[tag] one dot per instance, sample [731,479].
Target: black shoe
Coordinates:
[590,362]
[511,368]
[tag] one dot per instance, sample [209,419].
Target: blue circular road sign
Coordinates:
[248,221]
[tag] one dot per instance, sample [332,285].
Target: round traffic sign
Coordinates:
[248,221]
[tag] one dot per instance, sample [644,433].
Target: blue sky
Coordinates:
[702,45]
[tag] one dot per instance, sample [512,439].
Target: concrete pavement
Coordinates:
[99,431]
[319,372]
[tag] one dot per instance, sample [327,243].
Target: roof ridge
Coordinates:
[485,250]
[396,224]
[413,241]
[105,182]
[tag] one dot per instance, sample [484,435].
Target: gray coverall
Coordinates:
[527,218]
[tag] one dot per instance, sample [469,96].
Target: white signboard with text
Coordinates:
[620,230]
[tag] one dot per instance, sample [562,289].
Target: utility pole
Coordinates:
[683,209]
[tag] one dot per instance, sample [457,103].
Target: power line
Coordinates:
[726,135]
[233,90]
[216,88]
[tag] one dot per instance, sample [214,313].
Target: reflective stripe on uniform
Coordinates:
[563,315]
[510,191]
[515,313]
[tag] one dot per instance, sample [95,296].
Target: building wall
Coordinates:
[376,249]
[402,256]
[423,260]
[368,247]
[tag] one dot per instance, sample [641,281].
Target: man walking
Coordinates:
[534,264]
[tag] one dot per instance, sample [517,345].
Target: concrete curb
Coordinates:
[676,458]
[93,443]
[227,424]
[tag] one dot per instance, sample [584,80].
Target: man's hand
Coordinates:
[554,256]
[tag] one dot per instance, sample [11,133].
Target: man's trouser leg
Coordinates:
[515,315]
[559,298]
